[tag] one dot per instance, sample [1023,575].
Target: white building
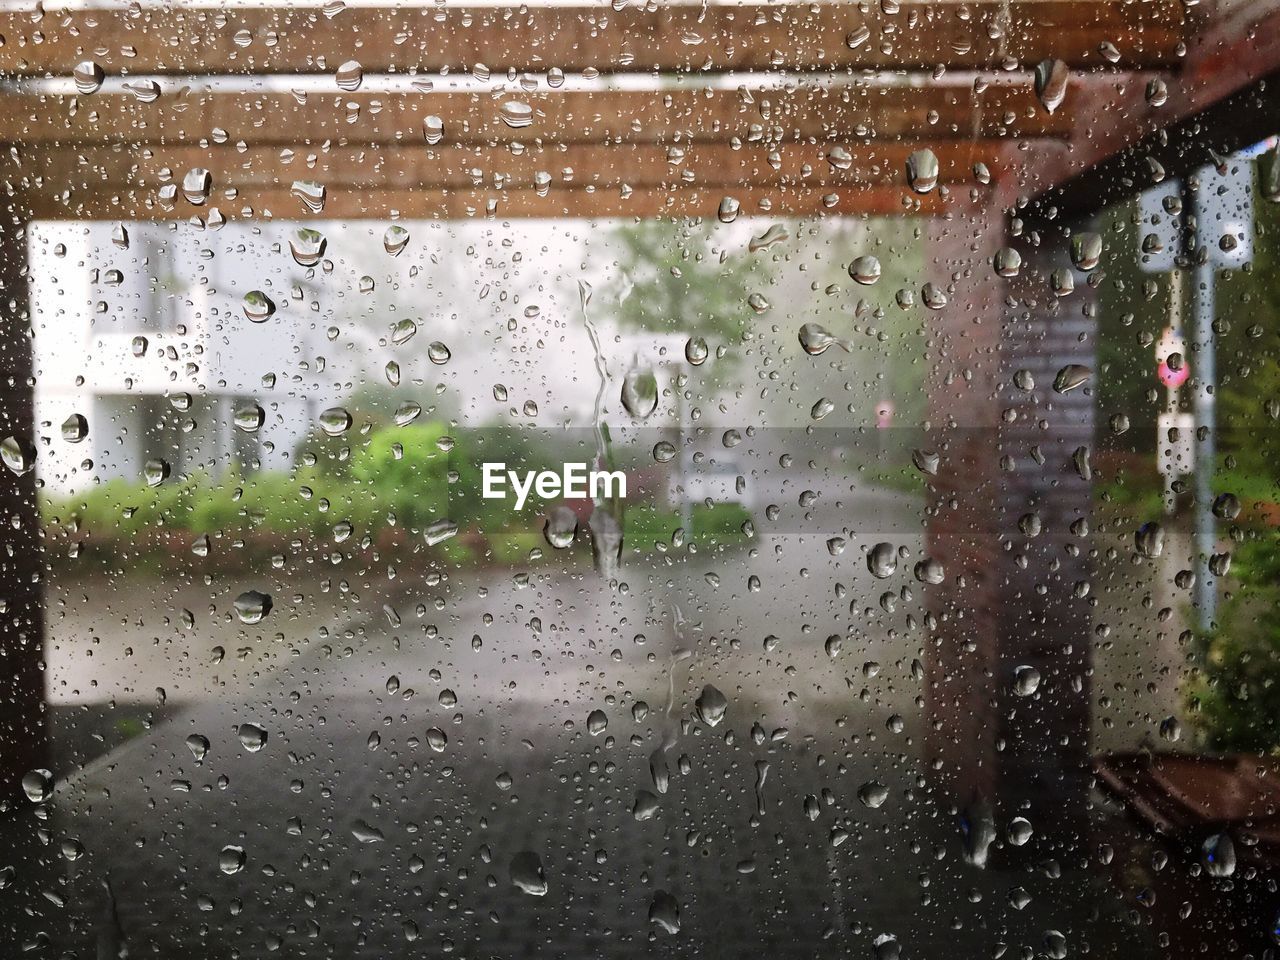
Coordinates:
[150,344]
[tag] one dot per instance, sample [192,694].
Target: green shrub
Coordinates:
[1234,690]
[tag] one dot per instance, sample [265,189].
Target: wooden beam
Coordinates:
[694,38]
[456,166]
[277,203]
[825,113]
[1223,99]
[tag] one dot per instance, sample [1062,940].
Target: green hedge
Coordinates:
[397,475]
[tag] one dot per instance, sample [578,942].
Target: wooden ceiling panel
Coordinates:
[457,166]
[387,204]
[819,113]
[685,37]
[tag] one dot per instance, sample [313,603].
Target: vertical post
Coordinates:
[22,711]
[682,466]
[1204,398]
[1007,669]
[1171,392]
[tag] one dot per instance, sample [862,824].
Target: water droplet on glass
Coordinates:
[1051,83]
[37,785]
[248,417]
[711,706]
[349,76]
[251,736]
[1020,831]
[144,91]
[1226,506]
[88,77]
[664,912]
[926,461]
[865,270]
[403,331]
[597,722]
[311,193]
[977,832]
[394,239]
[197,184]
[607,538]
[646,806]
[439,531]
[75,428]
[1026,680]
[18,455]
[922,171]
[406,413]
[258,307]
[929,570]
[1007,262]
[1218,854]
[728,210]
[640,392]
[1070,377]
[873,794]
[252,606]
[432,129]
[155,472]
[664,451]
[516,113]
[438,353]
[198,745]
[882,561]
[1086,250]
[696,351]
[335,421]
[560,527]
[307,246]
[839,158]
[231,859]
[1148,540]
[775,234]
[856,38]
[815,339]
[527,875]
[886,947]
[1062,282]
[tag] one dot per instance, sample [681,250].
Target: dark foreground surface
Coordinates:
[436,780]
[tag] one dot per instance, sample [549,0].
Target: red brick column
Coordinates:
[1004,521]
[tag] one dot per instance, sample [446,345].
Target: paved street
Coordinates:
[423,740]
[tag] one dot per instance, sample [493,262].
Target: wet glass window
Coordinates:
[573,480]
